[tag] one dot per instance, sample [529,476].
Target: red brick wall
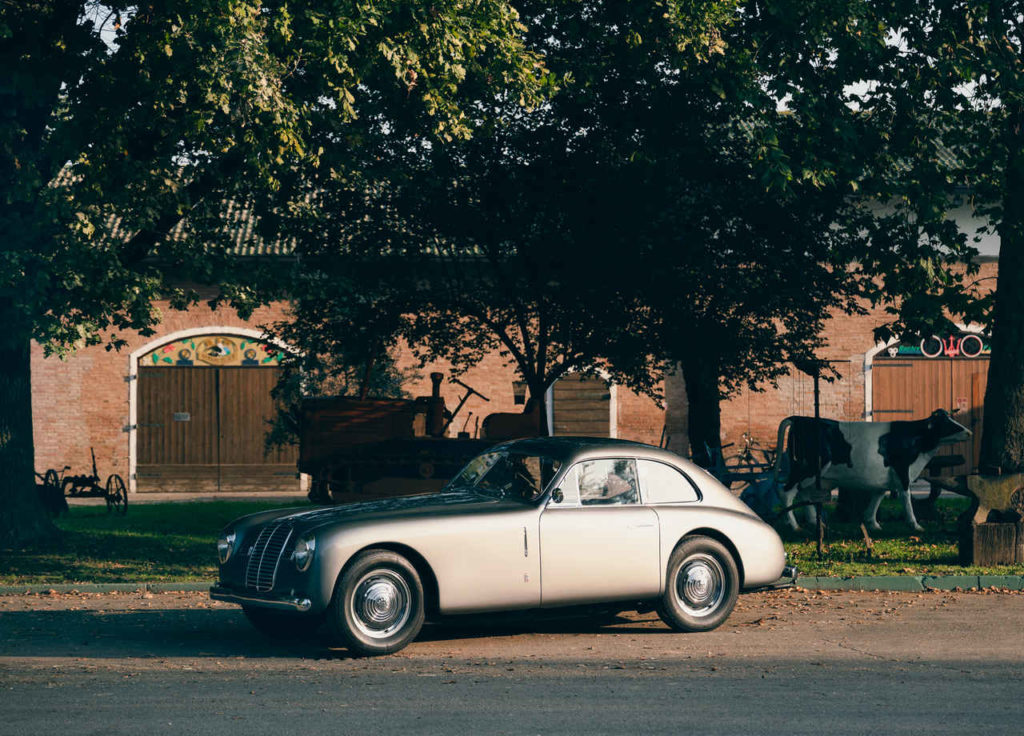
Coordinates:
[84,401]
[849,339]
[639,418]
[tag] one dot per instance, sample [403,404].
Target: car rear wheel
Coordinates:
[377,606]
[701,585]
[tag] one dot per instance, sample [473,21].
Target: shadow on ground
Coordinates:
[225,633]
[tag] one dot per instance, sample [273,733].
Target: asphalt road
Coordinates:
[788,662]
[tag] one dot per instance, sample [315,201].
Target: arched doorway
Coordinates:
[913,378]
[201,403]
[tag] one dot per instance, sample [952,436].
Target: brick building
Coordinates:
[184,409]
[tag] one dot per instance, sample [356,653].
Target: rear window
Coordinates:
[662,483]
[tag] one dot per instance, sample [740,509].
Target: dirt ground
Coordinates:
[189,631]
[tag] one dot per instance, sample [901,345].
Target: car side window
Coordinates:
[607,482]
[569,485]
[664,484]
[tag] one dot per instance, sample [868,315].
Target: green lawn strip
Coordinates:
[174,542]
[165,542]
[896,549]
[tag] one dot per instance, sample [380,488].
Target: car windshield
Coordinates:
[504,474]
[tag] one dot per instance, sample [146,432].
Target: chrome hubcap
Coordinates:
[380,604]
[700,585]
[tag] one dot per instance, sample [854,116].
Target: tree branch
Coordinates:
[141,245]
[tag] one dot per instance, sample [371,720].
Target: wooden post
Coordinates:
[817,459]
[995,543]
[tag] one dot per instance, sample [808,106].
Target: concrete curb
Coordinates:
[901,583]
[913,583]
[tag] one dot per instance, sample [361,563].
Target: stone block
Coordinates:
[903,583]
[1012,582]
[825,583]
[950,582]
[178,587]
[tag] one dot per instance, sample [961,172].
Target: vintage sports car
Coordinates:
[528,524]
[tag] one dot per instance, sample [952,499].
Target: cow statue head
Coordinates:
[945,430]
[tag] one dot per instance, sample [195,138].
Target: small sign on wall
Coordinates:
[182,416]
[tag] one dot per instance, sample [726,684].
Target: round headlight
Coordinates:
[225,546]
[302,555]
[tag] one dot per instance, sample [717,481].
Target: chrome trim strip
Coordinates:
[218,593]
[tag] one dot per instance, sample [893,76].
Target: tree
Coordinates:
[931,95]
[961,64]
[647,214]
[124,123]
[743,282]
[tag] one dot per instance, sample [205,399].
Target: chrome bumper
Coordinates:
[220,593]
[786,580]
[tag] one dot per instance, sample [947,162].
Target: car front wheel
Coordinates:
[701,586]
[377,606]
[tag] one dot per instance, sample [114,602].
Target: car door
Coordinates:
[599,543]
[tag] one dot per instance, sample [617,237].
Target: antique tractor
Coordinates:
[359,449]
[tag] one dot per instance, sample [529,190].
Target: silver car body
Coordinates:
[483,554]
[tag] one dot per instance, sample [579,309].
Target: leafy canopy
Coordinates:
[133,135]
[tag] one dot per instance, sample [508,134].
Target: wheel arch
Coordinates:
[725,541]
[431,592]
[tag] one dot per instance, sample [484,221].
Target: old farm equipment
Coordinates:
[113,491]
[356,449]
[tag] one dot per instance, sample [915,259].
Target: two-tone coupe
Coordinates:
[529,524]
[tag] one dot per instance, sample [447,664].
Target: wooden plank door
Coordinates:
[581,407]
[970,377]
[907,389]
[177,430]
[246,410]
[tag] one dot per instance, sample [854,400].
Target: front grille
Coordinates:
[266,553]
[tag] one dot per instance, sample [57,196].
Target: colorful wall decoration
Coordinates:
[963,345]
[213,351]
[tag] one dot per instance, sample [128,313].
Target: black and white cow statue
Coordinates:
[870,457]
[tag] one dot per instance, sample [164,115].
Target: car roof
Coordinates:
[568,449]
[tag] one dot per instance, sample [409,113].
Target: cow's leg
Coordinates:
[903,486]
[811,514]
[788,496]
[871,512]
[812,510]
[908,511]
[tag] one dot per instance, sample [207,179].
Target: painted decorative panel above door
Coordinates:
[213,351]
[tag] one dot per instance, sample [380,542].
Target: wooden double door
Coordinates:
[912,388]
[204,428]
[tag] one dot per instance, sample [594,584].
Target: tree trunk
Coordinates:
[1002,439]
[538,402]
[703,395]
[22,517]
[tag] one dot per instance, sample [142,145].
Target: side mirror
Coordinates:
[557,496]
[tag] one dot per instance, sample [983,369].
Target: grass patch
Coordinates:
[174,542]
[170,542]
[897,549]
